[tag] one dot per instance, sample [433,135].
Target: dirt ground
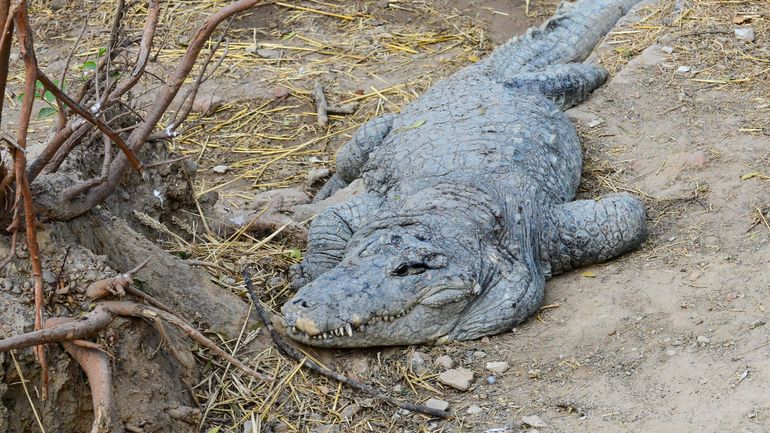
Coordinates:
[670,338]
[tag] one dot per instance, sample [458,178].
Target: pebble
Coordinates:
[326,428]
[596,122]
[745,33]
[459,378]
[479,354]
[534,421]
[220,169]
[445,361]
[667,50]
[437,404]
[267,53]
[498,367]
[491,380]
[49,277]
[683,69]
[420,358]
[703,339]
[534,373]
[397,388]
[474,410]
[349,411]
[281,92]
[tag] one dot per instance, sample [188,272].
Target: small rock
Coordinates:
[474,410]
[445,362]
[534,421]
[16,290]
[745,33]
[459,378]
[491,380]
[534,373]
[483,396]
[326,428]
[667,50]
[49,277]
[420,358]
[683,69]
[703,339]
[437,404]
[479,354]
[695,275]
[397,388]
[220,169]
[349,411]
[498,367]
[596,122]
[247,427]
[281,92]
[267,53]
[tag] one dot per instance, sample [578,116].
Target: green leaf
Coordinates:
[416,124]
[46,112]
[20,98]
[89,65]
[214,429]
[38,85]
[295,253]
[101,51]
[48,96]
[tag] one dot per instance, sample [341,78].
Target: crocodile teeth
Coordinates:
[349,329]
[326,335]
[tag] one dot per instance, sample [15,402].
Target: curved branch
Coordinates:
[76,329]
[166,95]
[74,106]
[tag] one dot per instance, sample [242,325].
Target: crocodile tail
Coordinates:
[569,36]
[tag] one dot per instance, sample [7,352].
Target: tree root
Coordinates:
[290,352]
[96,364]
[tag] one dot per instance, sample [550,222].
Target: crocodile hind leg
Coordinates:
[584,232]
[329,234]
[354,154]
[566,85]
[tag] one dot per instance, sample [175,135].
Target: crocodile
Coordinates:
[468,207]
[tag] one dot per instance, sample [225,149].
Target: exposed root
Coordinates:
[289,351]
[66,330]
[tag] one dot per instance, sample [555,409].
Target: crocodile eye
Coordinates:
[410,269]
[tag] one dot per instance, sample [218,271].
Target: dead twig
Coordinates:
[321,105]
[290,352]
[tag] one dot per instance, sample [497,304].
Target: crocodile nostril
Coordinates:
[303,303]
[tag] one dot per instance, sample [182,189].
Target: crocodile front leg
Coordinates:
[354,154]
[329,234]
[584,232]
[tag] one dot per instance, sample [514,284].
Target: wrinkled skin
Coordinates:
[468,207]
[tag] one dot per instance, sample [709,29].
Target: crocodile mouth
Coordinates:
[349,330]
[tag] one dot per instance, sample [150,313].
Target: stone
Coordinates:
[420,358]
[445,361]
[534,373]
[667,50]
[220,169]
[499,367]
[683,69]
[491,380]
[479,354]
[267,53]
[474,410]
[397,388]
[459,378]
[703,339]
[349,411]
[49,277]
[534,421]
[327,428]
[437,404]
[745,33]
[281,92]
[595,122]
